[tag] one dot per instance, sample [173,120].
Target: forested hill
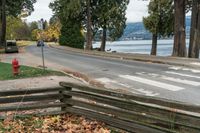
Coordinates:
[136,31]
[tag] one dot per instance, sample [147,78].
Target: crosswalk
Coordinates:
[173,80]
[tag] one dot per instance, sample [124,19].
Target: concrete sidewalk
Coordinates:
[186,62]
[38,82]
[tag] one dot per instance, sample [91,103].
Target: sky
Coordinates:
[135,12]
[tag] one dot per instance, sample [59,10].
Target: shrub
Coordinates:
[71,35]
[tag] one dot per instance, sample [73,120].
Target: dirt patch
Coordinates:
[84,78]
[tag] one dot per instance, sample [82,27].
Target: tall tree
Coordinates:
[89,26]
[13,8]
[3,23]
[179,48]
[111,18]
[69,14]
[160,20]
[195,31]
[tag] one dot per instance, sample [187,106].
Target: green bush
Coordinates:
[71,35]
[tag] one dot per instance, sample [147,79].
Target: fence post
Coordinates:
[64,97]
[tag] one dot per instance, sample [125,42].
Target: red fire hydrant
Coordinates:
[15,66]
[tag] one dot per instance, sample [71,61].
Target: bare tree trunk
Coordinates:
[194,32]
[154,45]
[179,29]
[198,33]
[103,39]
[3,25]
[89,26]
[0,24]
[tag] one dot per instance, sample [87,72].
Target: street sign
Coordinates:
[40,24]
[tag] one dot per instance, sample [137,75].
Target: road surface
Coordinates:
[157,80]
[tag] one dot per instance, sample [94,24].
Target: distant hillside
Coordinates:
[136,31]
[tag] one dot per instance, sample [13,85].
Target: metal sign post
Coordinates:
[42,47]
[40,25]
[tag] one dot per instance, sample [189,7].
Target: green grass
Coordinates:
[25,72]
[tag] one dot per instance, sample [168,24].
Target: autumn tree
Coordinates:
[160,20]
[17,29]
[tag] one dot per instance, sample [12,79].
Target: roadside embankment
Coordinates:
[177,61]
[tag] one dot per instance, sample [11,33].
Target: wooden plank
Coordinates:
[4,93]
[29,98]
[136,107]
[65,97]
[124,125]
[136,116]
[140,98]
[31,106]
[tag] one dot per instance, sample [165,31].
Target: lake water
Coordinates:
[164,48]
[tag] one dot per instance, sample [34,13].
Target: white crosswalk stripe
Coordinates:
[152,83]
[145,82]
[183,81]
[173,79]
[184,69]
[184,75]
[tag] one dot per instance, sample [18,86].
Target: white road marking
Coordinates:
[146,92]
[108,81]
[152,83]
[183,81]
[184,75]
[184,69]
[195,63]
[188,82]
[150,74]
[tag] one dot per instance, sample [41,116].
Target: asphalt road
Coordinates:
[157,80]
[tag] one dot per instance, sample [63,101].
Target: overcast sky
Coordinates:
[136,10]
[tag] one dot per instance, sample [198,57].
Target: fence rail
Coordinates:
[31,99]
[130,112]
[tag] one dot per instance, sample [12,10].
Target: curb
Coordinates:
[136,57]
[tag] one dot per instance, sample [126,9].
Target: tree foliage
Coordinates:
[93,15]
[71,35]
[50,33]
[16,7]
[13,8]
[69,15]
[110,16]
[17,29]
[160,20]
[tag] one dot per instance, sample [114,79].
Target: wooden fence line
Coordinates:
[129,112]
[146,99]
[158,115]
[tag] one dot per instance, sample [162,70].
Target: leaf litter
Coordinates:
[67,123]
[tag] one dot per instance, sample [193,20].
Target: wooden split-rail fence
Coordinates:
[130,112]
